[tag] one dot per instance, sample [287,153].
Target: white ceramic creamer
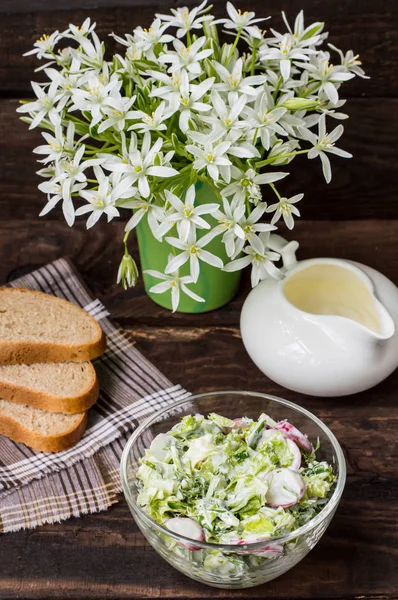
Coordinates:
[328,328]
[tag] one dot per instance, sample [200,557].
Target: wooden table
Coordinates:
[104,556]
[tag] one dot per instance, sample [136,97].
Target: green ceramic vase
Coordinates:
[215,286]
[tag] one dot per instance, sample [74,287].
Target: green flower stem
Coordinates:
[271,160]
[254,56]
[77,120]
[275,190]
[311,89]
[189,39]
[139,76]
[277,87]
[235,44]
[184,169]
[125,238]
[210,184]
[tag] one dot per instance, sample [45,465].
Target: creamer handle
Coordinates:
[287,250]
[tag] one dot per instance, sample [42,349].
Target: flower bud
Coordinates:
[226,55]
[299,104]
[127,274]
[211,33]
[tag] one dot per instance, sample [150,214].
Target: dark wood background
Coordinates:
[356,217]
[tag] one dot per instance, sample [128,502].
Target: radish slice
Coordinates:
[238,424]
[295,450]
[290,431]
[188,528]
[241,423]
[158,446]
[286,488]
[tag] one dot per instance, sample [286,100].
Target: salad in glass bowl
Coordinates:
[227,500]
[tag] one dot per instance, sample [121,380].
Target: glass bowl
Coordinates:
[233,566]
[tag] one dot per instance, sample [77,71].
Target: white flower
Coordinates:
[234,81]
[171,88]
[264,119]
[59,143]
[152,122]
[254,36]
[251,227]
[53,189]
[104,199]
[117,109]
[327,74]
[210,154]
[133,53]
[325,142]
[192,252]
[67,79]
[94,97]
[329,108]
[303,36]
[285,208]
[238,20]
[228,224]
[55,144]
[239,147]
[284,54]
[186,215]
[185,19]
[64,57]
[186,57]
[262,262]
[80,32]
[49,104]
[246,184]
[143,207]
[227,114]
[138,165]
[44,46]
[68,171]
[147,39]
[188,100]
[350,61]
[280,149]
[181,95]
[90,52]
[175,283]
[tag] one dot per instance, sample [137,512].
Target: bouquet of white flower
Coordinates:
[140,131]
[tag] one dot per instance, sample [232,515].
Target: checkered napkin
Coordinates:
[37,488]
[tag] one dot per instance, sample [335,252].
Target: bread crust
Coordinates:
[45,401]
[20,351]
[40,442]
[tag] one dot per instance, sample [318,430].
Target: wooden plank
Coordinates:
[26,245]
[366,27]
[362,187]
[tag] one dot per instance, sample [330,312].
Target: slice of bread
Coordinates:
[43,431]
[37,327]
[57,387]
